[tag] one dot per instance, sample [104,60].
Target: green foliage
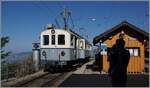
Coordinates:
[4,41]
[4,54]
[14,69]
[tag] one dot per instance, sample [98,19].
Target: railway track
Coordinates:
[49,79]
[42,79]
[46,80]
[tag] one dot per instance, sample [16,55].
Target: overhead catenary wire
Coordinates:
[57,23]
[56,20]
[46,10]
[66,15]
[72,21]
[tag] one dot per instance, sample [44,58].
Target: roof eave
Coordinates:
[101,36]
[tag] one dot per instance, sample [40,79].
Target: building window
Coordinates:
[131,52]
[53,40]
[61,39]
[45,39]
[135,51]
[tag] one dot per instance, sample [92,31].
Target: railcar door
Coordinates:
[76,48]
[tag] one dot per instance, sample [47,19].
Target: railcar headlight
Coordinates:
[53,31]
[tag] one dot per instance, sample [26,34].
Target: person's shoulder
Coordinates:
[117,40]
[114,47]
[127,52]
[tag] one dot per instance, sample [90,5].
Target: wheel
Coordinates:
[45,70]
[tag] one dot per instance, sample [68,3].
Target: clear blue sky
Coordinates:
[23,21]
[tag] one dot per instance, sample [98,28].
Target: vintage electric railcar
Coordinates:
[60,48]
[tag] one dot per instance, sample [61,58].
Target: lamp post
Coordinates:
[100,57]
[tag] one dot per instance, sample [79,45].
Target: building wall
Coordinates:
[136,63]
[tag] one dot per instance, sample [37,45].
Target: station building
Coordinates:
[136,41]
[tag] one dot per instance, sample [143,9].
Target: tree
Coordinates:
[4,54]
[4,41]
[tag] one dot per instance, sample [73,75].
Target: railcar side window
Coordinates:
[81,44]
[53,39]
[72,40]
[75,42]
[61,39]
[45,39]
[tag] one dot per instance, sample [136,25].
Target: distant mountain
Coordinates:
[18,56]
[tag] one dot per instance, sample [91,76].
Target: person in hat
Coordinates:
[119,59]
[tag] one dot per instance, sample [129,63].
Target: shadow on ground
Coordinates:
[96,80]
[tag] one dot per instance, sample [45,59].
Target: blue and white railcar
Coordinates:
[88,50]
[59,47]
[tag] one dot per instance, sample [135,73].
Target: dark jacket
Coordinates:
[119,59]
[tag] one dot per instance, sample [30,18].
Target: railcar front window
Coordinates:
[61,39]
[45,39]
[53,39]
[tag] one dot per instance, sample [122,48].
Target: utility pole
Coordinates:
[65,14]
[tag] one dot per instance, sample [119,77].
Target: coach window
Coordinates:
[81,44]
[72,40]
[75,42]
[45,39]
[53,40]
[61,39]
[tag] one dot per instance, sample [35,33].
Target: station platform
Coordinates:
[85,77]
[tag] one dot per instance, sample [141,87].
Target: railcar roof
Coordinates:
[80,36]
